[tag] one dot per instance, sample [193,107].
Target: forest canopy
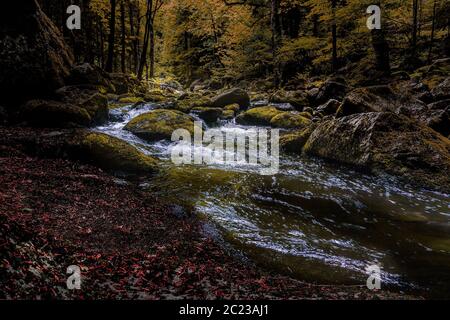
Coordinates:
[232,40]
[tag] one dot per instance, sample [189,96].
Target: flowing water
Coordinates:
[313,220]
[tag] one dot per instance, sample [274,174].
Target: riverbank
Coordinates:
[129,244]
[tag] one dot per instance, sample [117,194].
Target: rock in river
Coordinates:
[385,142]
[160,124]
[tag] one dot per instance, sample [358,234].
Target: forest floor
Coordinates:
[129,245]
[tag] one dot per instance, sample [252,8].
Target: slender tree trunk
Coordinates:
[123,42]
[414,28]
[433,30]
[381,48]
[334,36]
[143,62]
[152,50]
[276,38]
[112,37]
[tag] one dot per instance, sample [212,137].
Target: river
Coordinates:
[313,220]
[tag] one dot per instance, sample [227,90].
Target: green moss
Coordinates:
[290,120]
[53,113]
[187,104]
[232,107]
[227,114]
[114,154]
[258,116]
[160,124]
[131,100]
[294,142]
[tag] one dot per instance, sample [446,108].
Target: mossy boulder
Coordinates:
[236,95]
[227,115]
[258,116]
[34,59]
[44,113]
[442,91]
[331,89]
[379,99]
[297,99]
[290,120]
[155,96]
[160,124]
[233,107]
[88,98]
[329,108]
[88,74]
[111,153]
[207,114]
[434,74]
[131,100]
[293,142]
[385,142]
[188,102]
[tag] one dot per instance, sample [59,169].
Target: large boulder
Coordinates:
[160,124]
[232,96]
[329,108]
[208,114]
[438,120]
[94,102]
[290,120]
[442,91]
[87,74]
[114,154]
[385,142]
[331,89]
[379,99]
[293,142]
[187,102]
[34,60]
[47,113]
[258,116]
[297,99]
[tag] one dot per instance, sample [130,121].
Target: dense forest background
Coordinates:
[277,42]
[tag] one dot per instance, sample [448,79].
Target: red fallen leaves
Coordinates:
[129,245]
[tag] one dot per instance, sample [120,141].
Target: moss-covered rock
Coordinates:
[329,108]
[297,99]
[34,59]
[207,114]
[87,97]
[379,99]
[258,116]
[188,102]
[160,124]
[290,120]
[434,74]
[385,142]
[131,100]
[227,115]
[114,154]
[233,107]
[293,142]
[236,95]
[442,91]
[44,113]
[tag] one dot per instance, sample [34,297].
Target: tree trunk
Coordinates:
[433,30]
[112,37]
[143,61]
[123,43]
[276,38]
[414,28]
[334,36]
